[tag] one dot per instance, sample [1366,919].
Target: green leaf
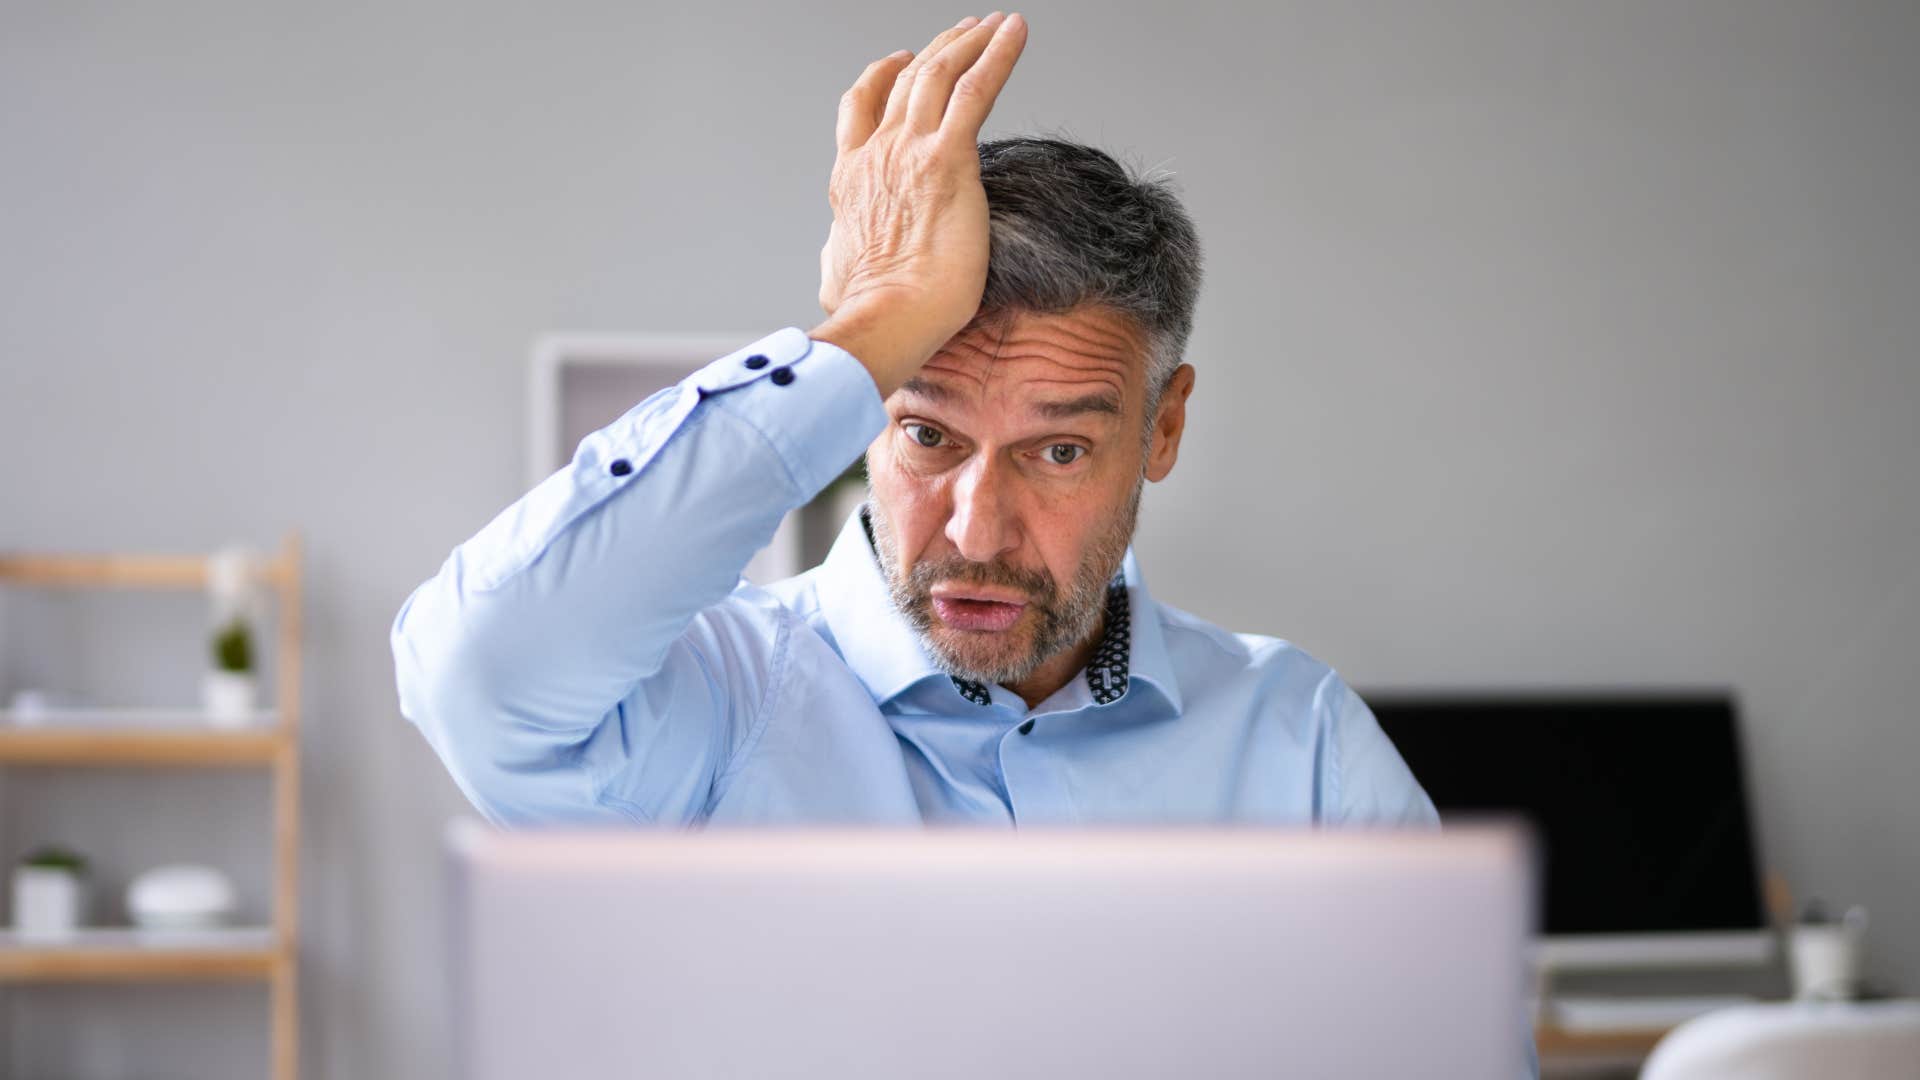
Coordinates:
[56,858]
[233,646]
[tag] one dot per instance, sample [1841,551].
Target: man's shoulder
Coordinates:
[1278,686]
[1279,672]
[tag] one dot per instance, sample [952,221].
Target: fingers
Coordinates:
[903,82]
[976,91]
[861,106]
[933,83]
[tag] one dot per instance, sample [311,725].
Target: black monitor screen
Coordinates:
[1639,802]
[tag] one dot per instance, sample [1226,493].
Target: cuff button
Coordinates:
[620,467]
[756,362]
[781,376]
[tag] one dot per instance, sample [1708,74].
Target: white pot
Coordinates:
[230,698]
[47,902]
[1826,959]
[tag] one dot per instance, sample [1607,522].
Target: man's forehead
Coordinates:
[1042,360]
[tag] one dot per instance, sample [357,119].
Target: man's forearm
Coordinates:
[553,613]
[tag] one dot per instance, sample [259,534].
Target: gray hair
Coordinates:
[1069,225]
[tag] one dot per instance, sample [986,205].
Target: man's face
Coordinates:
[1005,488]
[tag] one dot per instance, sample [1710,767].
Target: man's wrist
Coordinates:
[890,350]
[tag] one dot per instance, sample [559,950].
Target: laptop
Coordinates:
[968,952]
[1640,802]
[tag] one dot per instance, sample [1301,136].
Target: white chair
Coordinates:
[1877,1040]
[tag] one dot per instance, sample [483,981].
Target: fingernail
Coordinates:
[967,22]
[899,54]
[993,18]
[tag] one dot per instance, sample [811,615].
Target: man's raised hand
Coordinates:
[905,261]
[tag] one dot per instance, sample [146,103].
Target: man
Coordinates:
[1004,336]
[1004,339]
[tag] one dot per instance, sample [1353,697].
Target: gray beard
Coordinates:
[1064,623]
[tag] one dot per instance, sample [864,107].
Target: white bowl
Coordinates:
[180,896]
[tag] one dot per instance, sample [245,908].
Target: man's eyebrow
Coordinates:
[1096,402]
[928,389]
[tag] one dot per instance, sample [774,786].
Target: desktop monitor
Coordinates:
[1639,802]
[1119,953]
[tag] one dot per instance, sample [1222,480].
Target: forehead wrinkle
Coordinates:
[1102,369]
[981,385]
[1089,340]
[967,354]
[959,367]
[982,358]
[1097,326]
[1076,361]
[1090,330]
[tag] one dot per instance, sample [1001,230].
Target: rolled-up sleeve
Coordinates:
[586,655]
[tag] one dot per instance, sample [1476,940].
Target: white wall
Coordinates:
[1541,344]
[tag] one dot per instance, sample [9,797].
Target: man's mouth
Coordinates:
[978,609]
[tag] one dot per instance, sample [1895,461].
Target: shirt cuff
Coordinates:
[816,405]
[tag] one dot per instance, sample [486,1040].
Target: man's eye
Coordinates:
[924,435]
[1065,453]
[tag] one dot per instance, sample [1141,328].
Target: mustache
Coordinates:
[1038,584]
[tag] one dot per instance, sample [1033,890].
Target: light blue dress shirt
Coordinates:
[593,655]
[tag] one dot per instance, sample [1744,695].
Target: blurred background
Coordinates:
[1542,345]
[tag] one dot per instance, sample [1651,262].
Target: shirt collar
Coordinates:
[1129,665]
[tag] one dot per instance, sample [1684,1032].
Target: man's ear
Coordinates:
[1169,423]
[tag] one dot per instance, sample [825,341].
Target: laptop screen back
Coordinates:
[1639,802]
[1122,954]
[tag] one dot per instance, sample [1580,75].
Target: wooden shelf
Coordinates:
[119,954]
[126,571]
[1557,1042]
[170,747]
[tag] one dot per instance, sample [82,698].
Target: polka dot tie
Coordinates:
[972,691]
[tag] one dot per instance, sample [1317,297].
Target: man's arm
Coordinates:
[574,659]
[584,656]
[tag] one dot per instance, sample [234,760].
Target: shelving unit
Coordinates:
[176,738]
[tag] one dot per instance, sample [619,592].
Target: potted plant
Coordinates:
[1825,955]
[229,690]
[49,894]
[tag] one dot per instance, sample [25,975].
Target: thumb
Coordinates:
[829,278]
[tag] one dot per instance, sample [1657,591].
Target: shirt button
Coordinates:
[1026,728]
[782,376]
[756,361]
[620,467]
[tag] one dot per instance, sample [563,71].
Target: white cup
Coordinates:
[1826,957]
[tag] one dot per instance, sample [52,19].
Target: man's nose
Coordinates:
[982,524]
